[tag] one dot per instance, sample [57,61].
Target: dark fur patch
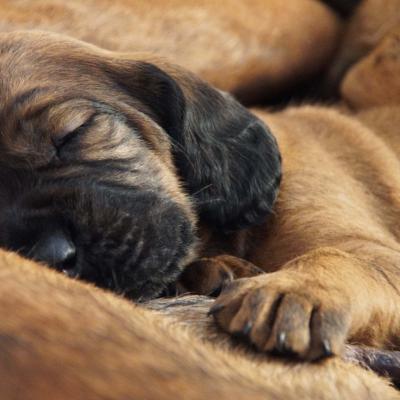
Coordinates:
[161,95]
[228,159]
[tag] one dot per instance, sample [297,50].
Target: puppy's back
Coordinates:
[61,339]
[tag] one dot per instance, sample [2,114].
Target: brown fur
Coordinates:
[366,27]
[257,49]
[332,250]
[335,223]
[332,246]
[61,339]
[374,80]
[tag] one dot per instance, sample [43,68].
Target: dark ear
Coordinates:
[227,157]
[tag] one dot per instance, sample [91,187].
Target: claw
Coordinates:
[247,328]
[326,346]
[281,342]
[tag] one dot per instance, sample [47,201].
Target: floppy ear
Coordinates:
[227,157]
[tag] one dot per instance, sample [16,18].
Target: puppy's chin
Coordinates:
[132,242]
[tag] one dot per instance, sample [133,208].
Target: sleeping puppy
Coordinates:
[108,160]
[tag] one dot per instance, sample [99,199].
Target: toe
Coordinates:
[329,330]
[250,308]
[291,327]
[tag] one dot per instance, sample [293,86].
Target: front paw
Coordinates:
[285,312]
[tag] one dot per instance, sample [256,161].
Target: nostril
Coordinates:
[55,249]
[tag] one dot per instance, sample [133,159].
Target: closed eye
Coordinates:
[67,136]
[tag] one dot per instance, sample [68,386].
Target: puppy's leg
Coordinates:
[208,275]
[315,303]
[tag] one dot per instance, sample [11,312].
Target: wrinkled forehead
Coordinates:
[42,70]
[50,82]
[39,61]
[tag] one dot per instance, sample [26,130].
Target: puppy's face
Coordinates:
[108,159]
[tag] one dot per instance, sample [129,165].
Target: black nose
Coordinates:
[55,249]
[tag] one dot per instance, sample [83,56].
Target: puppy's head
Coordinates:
[108,160]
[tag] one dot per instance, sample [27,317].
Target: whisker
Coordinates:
[177,145]
[202,189]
